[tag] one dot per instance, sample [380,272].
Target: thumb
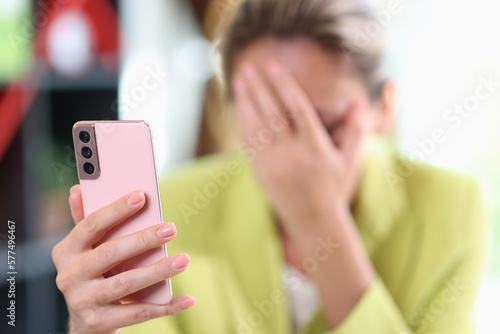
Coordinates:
[75,203]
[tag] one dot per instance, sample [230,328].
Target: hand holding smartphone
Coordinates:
[112,267]
[113,159]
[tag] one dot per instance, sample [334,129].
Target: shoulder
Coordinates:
[437,177]
[446,202]
[437,187]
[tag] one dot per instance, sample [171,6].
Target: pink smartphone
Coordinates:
[113,159]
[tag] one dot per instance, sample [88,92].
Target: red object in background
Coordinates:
[14,103]
[17,98]
[101,17]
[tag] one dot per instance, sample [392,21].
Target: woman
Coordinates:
[317,229]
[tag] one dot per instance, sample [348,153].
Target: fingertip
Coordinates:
[238,85]
[180,261]
[358,114]
[75,193]
[187,302]
[274,67]
[360,106]
[75,203]
[74,189]
[166,231]
[250,71]
[136,198]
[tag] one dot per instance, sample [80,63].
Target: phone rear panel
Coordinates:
[125,162]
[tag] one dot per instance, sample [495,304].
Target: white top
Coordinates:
[303,296]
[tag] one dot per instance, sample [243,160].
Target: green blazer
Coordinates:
[422,228]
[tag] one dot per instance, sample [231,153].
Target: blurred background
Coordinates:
[62,61]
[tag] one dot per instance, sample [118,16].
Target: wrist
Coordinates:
[323,218]
[327,231]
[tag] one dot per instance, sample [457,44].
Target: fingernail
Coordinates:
[250,72]
[72,191]
[238,85]
[166,231]
[180,261]
[135,198]
[362,104]
[274,68]
[187,303]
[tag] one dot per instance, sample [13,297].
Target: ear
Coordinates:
[386,108]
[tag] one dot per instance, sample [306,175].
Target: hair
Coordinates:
[343,27]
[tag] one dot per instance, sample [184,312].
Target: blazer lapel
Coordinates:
[254,250]
[382,197]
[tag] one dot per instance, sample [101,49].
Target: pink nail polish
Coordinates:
[180,261]
[166,231]
[250,72]
[135,198]
[187,303]
[238,85]
[274,68]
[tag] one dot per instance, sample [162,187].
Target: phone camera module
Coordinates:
[88,168]
[86,152]
[84,136]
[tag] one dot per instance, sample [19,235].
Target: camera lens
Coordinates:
[88,168]
[86,152]
[84,136]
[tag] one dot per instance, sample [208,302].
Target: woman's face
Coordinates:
[326,78]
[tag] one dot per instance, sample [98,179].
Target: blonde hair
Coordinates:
[339,26]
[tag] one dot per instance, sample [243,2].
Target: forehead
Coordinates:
[324,76]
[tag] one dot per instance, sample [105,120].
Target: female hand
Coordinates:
[305,171]
[92,300]
[310,178]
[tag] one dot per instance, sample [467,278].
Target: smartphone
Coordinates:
[113,159]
